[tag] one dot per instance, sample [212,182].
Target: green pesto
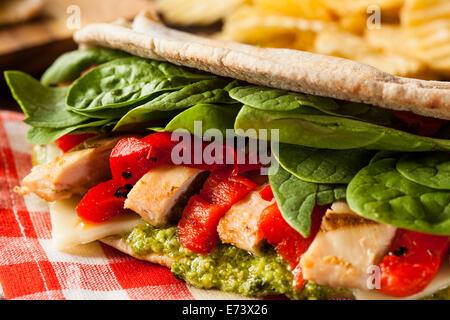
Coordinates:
[227,268]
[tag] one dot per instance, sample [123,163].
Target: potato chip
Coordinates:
[308,9]
[426,23]
[350,46]
[412,39]
[195,12]
[260,27]
[345,7]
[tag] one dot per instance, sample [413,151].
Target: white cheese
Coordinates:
[68,230]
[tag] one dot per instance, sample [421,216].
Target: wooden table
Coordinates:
[32,46]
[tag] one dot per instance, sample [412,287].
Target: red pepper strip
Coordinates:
[412,262]
[266,193]
[103,202]
[70,141]
[132,157]
[290,244]
[197,228]
[423,126]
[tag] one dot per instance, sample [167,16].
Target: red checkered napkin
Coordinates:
[31,269]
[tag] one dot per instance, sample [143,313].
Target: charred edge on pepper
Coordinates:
[401,251]
[127,175]
[122,192]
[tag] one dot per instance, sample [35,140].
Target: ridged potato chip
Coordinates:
[350,46]
[308,9]
[261,27]
[195,12]
[409,38]
[427,24]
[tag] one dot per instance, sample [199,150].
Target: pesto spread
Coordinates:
[227,268]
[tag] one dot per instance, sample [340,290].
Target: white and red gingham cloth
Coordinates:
[31,269]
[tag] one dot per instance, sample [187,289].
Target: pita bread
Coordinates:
[121,245]
[279,68]
[15,11]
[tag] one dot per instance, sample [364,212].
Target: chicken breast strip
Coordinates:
[73,173]
[345,248]
[162,193]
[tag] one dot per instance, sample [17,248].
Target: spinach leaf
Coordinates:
[46,135]
[265,98]
[329,132]
[321,165]
[429,169]
[269,99]
[206,91]
[328,193]
[365,112]
[70,65]
[296,198]
[128,82]
[211,117]
[44,106]
[379,192]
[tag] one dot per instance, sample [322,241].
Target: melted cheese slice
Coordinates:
[440,281]
[68,230]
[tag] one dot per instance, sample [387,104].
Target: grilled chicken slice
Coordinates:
[161,194]
[74,172]
[239,225]
[344,249]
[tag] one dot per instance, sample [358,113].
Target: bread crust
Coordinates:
[279,68]
[118,243]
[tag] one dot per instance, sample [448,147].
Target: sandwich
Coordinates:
[16,11]
[255,171]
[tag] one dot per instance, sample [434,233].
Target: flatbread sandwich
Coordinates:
[247,170]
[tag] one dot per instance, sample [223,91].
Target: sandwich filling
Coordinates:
[243,188]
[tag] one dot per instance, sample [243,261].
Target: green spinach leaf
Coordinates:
[128,82]
[270,99]
[44,106]
[202,92]
[296,198]
[211,117]
[328,193]
[379,192]
[429,169]
[265,98]
[365,112]
[321,165]
[70,65]
[330,132]
[46,135]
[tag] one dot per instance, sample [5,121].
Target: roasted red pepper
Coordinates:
[103,202]
[197,228]
[421,125]
[412,262]
[266,193]
[131,158]
[70,141]
[289,244]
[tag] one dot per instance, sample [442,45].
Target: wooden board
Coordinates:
[33,45]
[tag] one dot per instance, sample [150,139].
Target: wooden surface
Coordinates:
[32,46]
